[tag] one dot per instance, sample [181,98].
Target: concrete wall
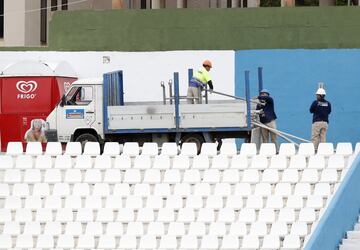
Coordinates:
[292,77]
[206,29]
[14,35]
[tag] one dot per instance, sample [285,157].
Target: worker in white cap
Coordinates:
[200,78]
[320,109]
[268,116]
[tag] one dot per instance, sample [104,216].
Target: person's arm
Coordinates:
[210,85]
[329,107]
[313,107]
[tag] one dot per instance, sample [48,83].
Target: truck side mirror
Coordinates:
[63,101]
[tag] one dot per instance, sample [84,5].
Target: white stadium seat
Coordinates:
[168,242]
[43,162]
[336,161]
[73,149]
[24,161]
[169,148]
[6,161]
[91,148]
[325,148]
[111,148]
[344,148]
[306,149]
[239,162]
[267,149]
[189,149]
[316,161]
[287,149]
[208,149]
[83,162]
[161,162]
[14,148]
[220,162]
[228,149]
[181,162]
[297,162]
[259,162]
[33,148]
[250,242]
[291,242]
[131,149]
[150,148]
[271,242]
[278,162]
[53,148]
[248,149]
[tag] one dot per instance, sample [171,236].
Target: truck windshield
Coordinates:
[82,95]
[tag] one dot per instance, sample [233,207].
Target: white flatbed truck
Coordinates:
[95,110]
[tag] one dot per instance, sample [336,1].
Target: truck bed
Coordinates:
[225,114]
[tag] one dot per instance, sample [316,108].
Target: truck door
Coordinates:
[78,111]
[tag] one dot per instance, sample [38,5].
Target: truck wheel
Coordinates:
[194,138]
[85,138]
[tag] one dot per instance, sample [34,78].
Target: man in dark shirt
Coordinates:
[320,109]
[268,116]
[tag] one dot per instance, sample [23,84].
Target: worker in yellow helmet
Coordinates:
[200,78]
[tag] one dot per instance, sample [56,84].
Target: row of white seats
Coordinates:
[117,229]
[164,190]
[153,176]
[170,148]
[164,162]
[151,242]
[227,215]
[174,202]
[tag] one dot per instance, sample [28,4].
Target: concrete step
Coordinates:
[353,235]
[342,247]
[351,242]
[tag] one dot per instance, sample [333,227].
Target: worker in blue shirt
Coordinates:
[320,109]
[199,80]
[268,116]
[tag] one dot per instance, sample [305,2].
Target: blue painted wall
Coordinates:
[292,76]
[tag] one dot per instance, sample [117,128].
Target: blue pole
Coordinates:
[177,100]
[190,74]
[247,93]
[260,77]
[106,79]
[121,88]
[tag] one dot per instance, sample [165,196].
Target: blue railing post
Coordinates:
[247,93]
[106,79]
[260,77]
[177,100]
[190,74]
[121,88]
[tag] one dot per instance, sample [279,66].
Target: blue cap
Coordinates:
[265,91]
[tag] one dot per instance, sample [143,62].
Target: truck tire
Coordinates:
[194,138]
[85,138]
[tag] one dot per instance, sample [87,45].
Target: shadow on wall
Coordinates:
[292,77]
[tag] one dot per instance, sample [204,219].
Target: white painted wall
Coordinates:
[143,71]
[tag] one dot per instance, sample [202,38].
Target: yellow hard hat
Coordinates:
[207,63]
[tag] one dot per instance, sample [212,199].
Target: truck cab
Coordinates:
[78,116]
